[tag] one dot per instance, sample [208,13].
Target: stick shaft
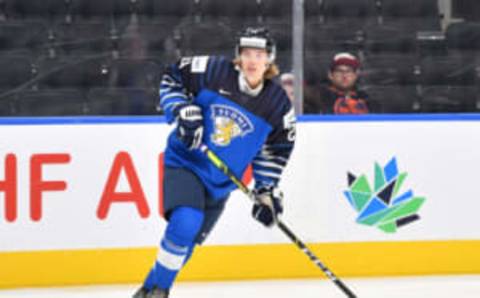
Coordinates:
[226,170]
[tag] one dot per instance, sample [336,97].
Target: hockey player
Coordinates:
[243,116]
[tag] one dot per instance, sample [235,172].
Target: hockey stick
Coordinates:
[224,168]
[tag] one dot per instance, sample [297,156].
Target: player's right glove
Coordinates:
[268,205]
[189,125]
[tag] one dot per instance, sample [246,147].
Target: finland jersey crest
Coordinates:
[228,124]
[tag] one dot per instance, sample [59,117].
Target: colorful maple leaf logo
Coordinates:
[383,206]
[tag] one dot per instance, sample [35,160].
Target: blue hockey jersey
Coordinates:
[240,128]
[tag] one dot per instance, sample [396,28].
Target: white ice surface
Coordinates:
[417,287]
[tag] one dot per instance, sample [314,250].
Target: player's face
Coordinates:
[254,63]
[343,77]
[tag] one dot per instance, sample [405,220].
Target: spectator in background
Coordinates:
[286,81]
[341,96]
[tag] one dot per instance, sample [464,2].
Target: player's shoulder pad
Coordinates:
[280,104]
[281,97]
[219,61]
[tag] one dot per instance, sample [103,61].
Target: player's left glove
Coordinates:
[268,205]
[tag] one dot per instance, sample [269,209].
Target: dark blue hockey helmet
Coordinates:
[256,37]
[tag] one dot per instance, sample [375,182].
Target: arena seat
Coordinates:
[133,73]
[57,102]
[280,10]
[388,69]
[316,66]
[410,8]
[36,10]
[27,38]
[356,12]
[153,41]
[92,10]
[423,15]
[192,39]
[394,99]
[7,106]
[121,101]
[15,71]
[450,70]
[314,10]
[73,72]
[464,38]
[320,37]
[449,99]
[176,9]
[390,39]
[83,38]
[229,9]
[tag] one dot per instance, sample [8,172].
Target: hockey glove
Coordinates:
[268,205]
[189,125]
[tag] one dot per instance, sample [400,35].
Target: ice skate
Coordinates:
[158,293]
[140,293]
[155,293]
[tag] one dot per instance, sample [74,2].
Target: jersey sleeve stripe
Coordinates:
[275,176]
[266,164]
[178,95]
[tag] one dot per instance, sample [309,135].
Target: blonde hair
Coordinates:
[271,72]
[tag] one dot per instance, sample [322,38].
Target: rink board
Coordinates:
[84,192]
[216,263]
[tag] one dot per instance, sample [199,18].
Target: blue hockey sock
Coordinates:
[176,246]
[149,282]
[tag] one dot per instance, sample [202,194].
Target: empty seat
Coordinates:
[91,10]
[410,8]
[424,15]
[22,37]
[316,68]
[15,71]
[7,106]
[193,40]
[280,10]
[133,73]
[229,9]
[447,71]
[431,43]
[350,11]
[463,37]
[36,10]
[152,39]
[466,9]
[284,61]
[121,101]
[390,39]
[414,24]
[449,99]
[73,72]
[83,38]
[116,13]
[390,70]
[58,102]
[394,99]
[314,9]
[177,9]
[319,37]
[282,34]
[124,8]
